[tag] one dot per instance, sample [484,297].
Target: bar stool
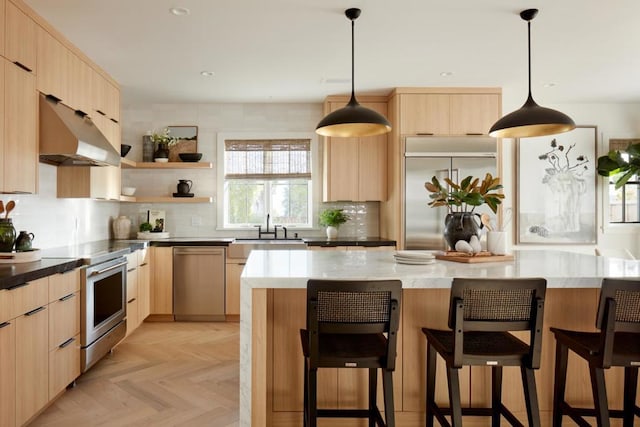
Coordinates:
[617,344]
[481,314]
[351,324]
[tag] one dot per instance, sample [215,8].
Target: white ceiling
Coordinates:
[290,50]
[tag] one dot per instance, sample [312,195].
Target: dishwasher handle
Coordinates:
[198,250]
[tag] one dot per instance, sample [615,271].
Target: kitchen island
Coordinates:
[273,291]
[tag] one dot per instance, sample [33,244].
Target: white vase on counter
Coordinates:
[332,232]
[121,227]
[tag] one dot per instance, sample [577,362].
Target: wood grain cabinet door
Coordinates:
[424,114]
[474,114]
[20,127]
[8,373]
[20,38]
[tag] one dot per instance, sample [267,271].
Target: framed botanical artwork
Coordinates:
[157,220]
[556,179]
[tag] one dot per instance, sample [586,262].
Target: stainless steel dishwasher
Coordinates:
[198,283]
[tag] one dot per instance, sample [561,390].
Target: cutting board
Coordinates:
[471,259]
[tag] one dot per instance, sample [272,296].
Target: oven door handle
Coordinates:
[113,267]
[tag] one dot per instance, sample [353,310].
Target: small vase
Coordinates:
[147,149]
[7,235]
[121,227]
[332,232]
[162,152]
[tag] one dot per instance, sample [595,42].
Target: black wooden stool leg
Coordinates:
[387,386]
[431,385]
[313,398]
[599,396]
[373,388]
[630,390]
[305,405]
[559,382]
[454,397]
[530,396]
[496,395]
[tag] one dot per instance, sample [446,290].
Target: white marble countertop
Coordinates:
[292,269]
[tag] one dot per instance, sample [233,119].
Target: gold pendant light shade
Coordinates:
[353,120]
[531,119]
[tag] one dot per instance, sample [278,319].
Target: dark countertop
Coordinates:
[192,241]
[348,241]
[64,258]
[18,273]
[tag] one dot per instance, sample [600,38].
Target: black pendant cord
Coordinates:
[529,49]
[353,48]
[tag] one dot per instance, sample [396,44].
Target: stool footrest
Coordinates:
[577,414]
[482,412]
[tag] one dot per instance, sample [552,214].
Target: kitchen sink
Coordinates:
[241,248]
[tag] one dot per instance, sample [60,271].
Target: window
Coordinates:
[623,202]
[267,176]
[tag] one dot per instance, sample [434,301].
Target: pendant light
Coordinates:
[353,120]
[531,119]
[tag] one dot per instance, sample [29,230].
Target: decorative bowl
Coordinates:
[128,191]
[161,160]
[190,157]
[124,149]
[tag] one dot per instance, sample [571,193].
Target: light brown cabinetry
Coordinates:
[448,114]
[162,282]
[132,292]
[2,38]
[355,168]
[7,373]
[53,66]
[20,171]
[144,284]
[32,350]
[89,182]
[64,330]
[20,38]
[234,269]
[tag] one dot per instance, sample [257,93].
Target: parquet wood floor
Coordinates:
[163,374]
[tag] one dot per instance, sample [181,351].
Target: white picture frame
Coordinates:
[556,178]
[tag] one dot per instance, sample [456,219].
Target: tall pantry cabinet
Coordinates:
[461,112]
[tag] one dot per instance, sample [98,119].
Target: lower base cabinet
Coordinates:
[64,365]
[233,272]
[8,373]
[32,364]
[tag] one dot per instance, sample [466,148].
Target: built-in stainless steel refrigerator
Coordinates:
[453,157]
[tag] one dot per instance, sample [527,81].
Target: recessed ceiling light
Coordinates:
[207,73]
[446,73]
[179,11]
[549,84]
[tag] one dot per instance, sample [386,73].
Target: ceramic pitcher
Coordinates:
[24,241]
[184,186]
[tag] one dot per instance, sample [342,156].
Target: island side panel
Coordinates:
[261,371]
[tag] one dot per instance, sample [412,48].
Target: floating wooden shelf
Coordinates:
[167,199]
[130,164]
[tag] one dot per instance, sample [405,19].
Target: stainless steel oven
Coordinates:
[104,289]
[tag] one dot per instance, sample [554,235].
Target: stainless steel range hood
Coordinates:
[71,139]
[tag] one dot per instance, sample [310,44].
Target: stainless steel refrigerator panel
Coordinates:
[424,225]
[198,283]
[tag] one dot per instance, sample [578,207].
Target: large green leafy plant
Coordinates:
[619,166]
[465,196]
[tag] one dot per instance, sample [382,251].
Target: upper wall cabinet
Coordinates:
[448,114]
[79,83]
[2,28]
[20,147]
[20,38]
[53,66]
[355,168]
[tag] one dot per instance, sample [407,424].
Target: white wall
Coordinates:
[613,121]
[60,222]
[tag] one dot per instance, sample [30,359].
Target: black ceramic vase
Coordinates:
[461,226]
[162,152]
[7,235]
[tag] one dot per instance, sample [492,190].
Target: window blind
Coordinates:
[621,144]
[267,158]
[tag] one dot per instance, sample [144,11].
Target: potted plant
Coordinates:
[622,166]
[162,140]
[332,219]
[461,200]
